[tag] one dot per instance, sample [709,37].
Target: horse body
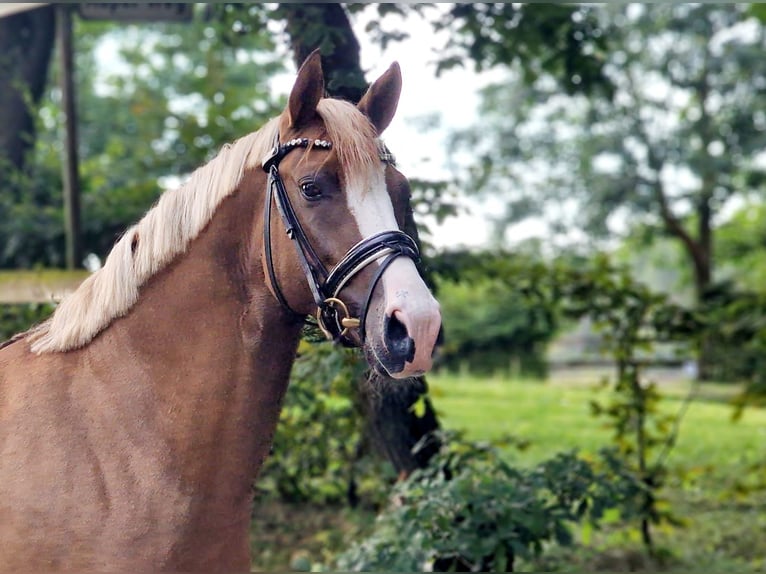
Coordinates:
[151,475]
[132,443]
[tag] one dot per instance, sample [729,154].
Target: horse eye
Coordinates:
[310,190]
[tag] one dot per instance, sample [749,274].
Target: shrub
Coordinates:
[319,453]
[490,327]
[472,511]
[20,317]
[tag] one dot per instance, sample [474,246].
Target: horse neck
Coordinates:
[214,350]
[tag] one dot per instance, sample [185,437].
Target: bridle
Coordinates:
[333,316]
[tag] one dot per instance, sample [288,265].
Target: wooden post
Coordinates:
[71,176]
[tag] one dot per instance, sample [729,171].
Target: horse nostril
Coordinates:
[397,340]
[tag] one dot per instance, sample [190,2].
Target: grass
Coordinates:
[713,457]
[556,416]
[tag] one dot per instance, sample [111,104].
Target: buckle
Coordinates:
[335,307]
[270,158]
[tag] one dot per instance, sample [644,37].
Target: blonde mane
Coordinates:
[148,246]
[179,216]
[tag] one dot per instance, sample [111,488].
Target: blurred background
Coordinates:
[588,183]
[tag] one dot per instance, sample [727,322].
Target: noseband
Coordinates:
[333,315]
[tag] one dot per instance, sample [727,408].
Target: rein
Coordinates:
[333,315]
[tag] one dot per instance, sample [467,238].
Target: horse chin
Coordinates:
[381,364]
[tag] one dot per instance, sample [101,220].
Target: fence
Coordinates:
[38,286]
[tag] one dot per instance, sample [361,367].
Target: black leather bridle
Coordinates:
[333,316]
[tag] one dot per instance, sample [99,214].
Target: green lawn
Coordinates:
[556,416]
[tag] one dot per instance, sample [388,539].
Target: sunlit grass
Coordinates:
[555,417]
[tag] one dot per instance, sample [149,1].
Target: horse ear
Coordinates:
[380,101]
[307,91]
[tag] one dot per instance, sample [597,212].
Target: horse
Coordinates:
[134,421]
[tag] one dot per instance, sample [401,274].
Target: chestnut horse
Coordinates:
[133,422]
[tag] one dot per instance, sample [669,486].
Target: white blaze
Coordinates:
[370,205]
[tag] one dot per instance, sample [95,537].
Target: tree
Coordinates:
[326,27]
[173,94]
[670,150]
[740,243]
[561,41]
[26,44]
[392,424]
[545,37]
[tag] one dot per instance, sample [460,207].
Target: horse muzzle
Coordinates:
[404,327]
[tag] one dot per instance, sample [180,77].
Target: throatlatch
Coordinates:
[333,315]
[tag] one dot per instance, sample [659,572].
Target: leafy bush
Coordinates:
[736,325]
[17,318]
[319,451]
[472,511]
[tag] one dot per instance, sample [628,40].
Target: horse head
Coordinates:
[343,203]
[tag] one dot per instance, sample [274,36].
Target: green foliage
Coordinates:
[758,10]
[490,327]
[31,220]
[437,199]
[625,312]
[723,529]
[631,319]
[740,245]
[170,95]
[736,321]
[18,318]
[692,106]
[319,450]
[565,41]
[560,40]
[472,511]
[715,494]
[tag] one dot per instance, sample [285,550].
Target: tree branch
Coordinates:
[673,224]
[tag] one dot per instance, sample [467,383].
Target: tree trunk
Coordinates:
[326,26]
[702,282]
[26,44]
[395,427]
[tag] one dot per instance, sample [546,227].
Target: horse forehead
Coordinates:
[354,155]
